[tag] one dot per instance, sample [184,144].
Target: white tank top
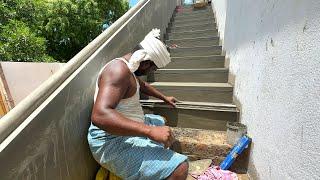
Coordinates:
[129,107]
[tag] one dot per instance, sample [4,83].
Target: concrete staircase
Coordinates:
[198,78]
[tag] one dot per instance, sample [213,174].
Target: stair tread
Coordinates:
[193,25]
[195,47]
[192,17]
[191,84]
[190,31]
[208,106]
[191,20]
[193,13]
[196,38]
[195,69]
[212,104]
[210,56]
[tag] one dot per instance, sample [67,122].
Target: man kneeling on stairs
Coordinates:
[121,138]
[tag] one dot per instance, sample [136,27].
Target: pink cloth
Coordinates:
[215,173]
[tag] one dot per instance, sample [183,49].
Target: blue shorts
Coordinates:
[134,157]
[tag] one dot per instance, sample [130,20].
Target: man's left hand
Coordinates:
[171,101]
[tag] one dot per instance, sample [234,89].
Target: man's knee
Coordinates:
[181,172]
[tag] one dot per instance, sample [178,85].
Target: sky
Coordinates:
[132,2]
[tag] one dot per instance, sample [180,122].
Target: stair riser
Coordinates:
[177,35]
[198,151]
[199,51]
[192,118]
[204,19]
[193,23]
[190,8]
[192,28]
[192,18]
[194,13]
[199,62]
[214,77]
[195,42]
[199,94]
[192,63]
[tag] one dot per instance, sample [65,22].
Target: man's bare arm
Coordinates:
[113,86]
[147,89]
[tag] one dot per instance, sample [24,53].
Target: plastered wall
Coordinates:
[219,8]
[23,77]
[274,52]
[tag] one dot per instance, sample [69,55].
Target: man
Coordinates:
[121,138]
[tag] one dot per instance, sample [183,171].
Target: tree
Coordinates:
[65,26]
[18,43]
[72,24]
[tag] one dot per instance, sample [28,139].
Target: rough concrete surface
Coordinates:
[274,51]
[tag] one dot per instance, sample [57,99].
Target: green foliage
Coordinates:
[20,44]
[61,27]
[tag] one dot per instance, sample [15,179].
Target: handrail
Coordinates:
[17,115]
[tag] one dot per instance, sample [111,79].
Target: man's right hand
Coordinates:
[161,134]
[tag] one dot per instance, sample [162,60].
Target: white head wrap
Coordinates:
[153,49]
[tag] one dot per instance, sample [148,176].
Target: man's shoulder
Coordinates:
[116,70]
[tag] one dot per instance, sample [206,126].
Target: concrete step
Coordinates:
[190,7]
[199,26]
[196,51]
[191,62]
[188,12]
[211,75]
[186,21]
[198,92]
[194,17]
[192,34]
[191,42]
[192,23]
[200,143]
[200,115]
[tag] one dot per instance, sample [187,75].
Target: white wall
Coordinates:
[220,8]
[274,52]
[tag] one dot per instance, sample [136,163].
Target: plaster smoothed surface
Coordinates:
[274,52]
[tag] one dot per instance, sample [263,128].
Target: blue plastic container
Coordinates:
[235,152]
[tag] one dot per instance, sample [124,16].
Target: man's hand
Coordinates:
[161,134]
[171,101]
